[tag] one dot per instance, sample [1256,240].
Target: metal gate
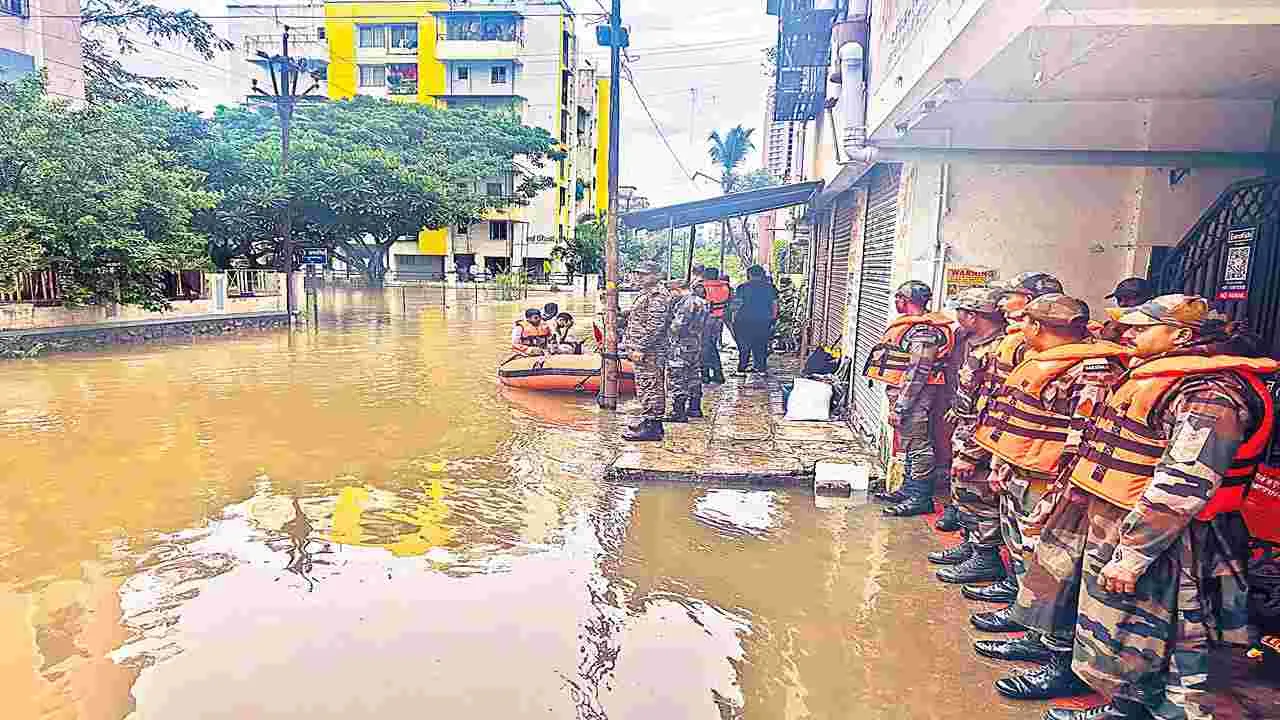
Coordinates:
[1236,236]
[875,295]
[838,279]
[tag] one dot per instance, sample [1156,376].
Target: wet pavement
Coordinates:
[358,522]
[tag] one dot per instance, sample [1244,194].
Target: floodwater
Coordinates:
[358,522]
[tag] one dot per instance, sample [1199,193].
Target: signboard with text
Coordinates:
[1234,281]
[964,277]
[314,256]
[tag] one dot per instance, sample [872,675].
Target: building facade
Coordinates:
[43,35]
[499,54]
[976,137]
[257,29]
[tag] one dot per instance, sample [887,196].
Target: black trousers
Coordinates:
[752,337]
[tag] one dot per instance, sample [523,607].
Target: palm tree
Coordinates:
[729,152]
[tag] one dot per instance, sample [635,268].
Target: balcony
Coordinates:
[18,8]
[804,52]
[480,36]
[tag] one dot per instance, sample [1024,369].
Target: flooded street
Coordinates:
[359,522]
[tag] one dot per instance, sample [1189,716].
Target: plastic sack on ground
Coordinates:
[809,400]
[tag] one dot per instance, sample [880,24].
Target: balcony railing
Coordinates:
[20,8]
[804,51]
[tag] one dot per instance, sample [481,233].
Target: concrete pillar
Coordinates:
[217,284]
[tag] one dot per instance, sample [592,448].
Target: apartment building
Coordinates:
[507,54]
[257,30]
[43,35]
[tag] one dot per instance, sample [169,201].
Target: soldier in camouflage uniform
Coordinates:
[977,559]
[1154,561]
[645,344]
[922,345]
[684,360]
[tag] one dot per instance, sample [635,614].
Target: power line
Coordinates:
[654,121]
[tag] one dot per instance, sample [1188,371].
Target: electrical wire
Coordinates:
[656,126]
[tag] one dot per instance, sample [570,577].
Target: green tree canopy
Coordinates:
[584,252]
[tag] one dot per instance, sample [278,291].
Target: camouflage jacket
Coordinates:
[1205,420]
[974,383]
[647,323]
[923,342]
[688,324]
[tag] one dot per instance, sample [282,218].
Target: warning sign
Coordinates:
[963,277]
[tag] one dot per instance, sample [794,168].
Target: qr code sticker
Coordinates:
[1237,269]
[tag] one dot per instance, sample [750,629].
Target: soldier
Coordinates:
[1154,500]
[646,346]
[909,360]
[684,360]
[977,559]
[1032,427]
[1130,292]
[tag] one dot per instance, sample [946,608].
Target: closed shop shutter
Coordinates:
[838,281]
[821,258]
[875,296]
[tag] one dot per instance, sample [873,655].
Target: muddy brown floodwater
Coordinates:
[359,523]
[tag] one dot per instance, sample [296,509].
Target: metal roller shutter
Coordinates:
[821,257]
[838,279]
[875,296]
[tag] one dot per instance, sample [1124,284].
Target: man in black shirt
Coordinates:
[757,302]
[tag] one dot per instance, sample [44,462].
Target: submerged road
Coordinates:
[360,523]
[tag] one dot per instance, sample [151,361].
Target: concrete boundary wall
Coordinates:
[31,343]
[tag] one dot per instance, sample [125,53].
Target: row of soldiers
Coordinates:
[1110,462]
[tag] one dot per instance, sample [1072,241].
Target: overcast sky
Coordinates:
[713,47]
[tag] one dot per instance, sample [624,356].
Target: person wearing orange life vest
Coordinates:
[530,336]
[1153,502]
[1032,425]
[909,361]
[1130,292]
[717,296]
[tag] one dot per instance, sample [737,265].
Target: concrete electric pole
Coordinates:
[616,39]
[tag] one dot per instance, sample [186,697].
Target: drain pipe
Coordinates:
[1041,156]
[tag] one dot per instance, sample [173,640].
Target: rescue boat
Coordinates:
[561,373]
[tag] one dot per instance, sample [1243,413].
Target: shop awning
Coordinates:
[720,208]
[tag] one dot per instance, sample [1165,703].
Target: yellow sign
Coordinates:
[964,277]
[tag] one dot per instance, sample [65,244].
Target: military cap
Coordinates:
[677,284]
[1034,284]
[915,291]
[1058,309]
[648,267]
[1134,287]
[1189,311]
[984,300]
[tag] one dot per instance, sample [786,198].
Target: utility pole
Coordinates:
[611,366]
[285,72]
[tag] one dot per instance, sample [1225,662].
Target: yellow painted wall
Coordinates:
[340,27]
[434,242]
[602,144]
[341,33]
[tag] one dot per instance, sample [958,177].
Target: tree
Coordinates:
[113,29]
[109,204]
[583,254]
[729,152]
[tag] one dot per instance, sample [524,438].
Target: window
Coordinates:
[373,36]
[498,231]
[402,79]
[498,76]
[493,189]
[460,230]
[404,37]
[373,76]
[464,72]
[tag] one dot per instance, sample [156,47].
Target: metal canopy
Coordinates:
[721,208]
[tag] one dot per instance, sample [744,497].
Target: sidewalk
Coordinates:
[744,440]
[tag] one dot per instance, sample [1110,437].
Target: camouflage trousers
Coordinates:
[684,376]
[979,508]
[1019,497]
[651,386]
[915,446]
[1152,647]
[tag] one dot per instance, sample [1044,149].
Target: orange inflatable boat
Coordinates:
[561,373]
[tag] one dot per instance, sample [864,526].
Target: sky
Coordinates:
[715,51]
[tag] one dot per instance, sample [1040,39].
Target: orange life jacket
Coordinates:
[531,335]
[1010,353]
[1017,426]
[1261,509]
[717,296]
[889,359]
[1123,446]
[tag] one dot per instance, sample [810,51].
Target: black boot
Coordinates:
[1052,680]
[984,566]
[1003,592]
[1027,648]
[678,412]
[998,621]
[950,520]
[1115,710]
[892,498]
[953,555]
[695,409]
[910,507]
[647,431]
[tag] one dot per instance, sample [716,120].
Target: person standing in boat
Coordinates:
[530,336]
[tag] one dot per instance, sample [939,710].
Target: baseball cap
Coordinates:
[1034,284]
[647,267]
[915,291]
[1058,309]
[1133,287]
[980,300]
[1190,311]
